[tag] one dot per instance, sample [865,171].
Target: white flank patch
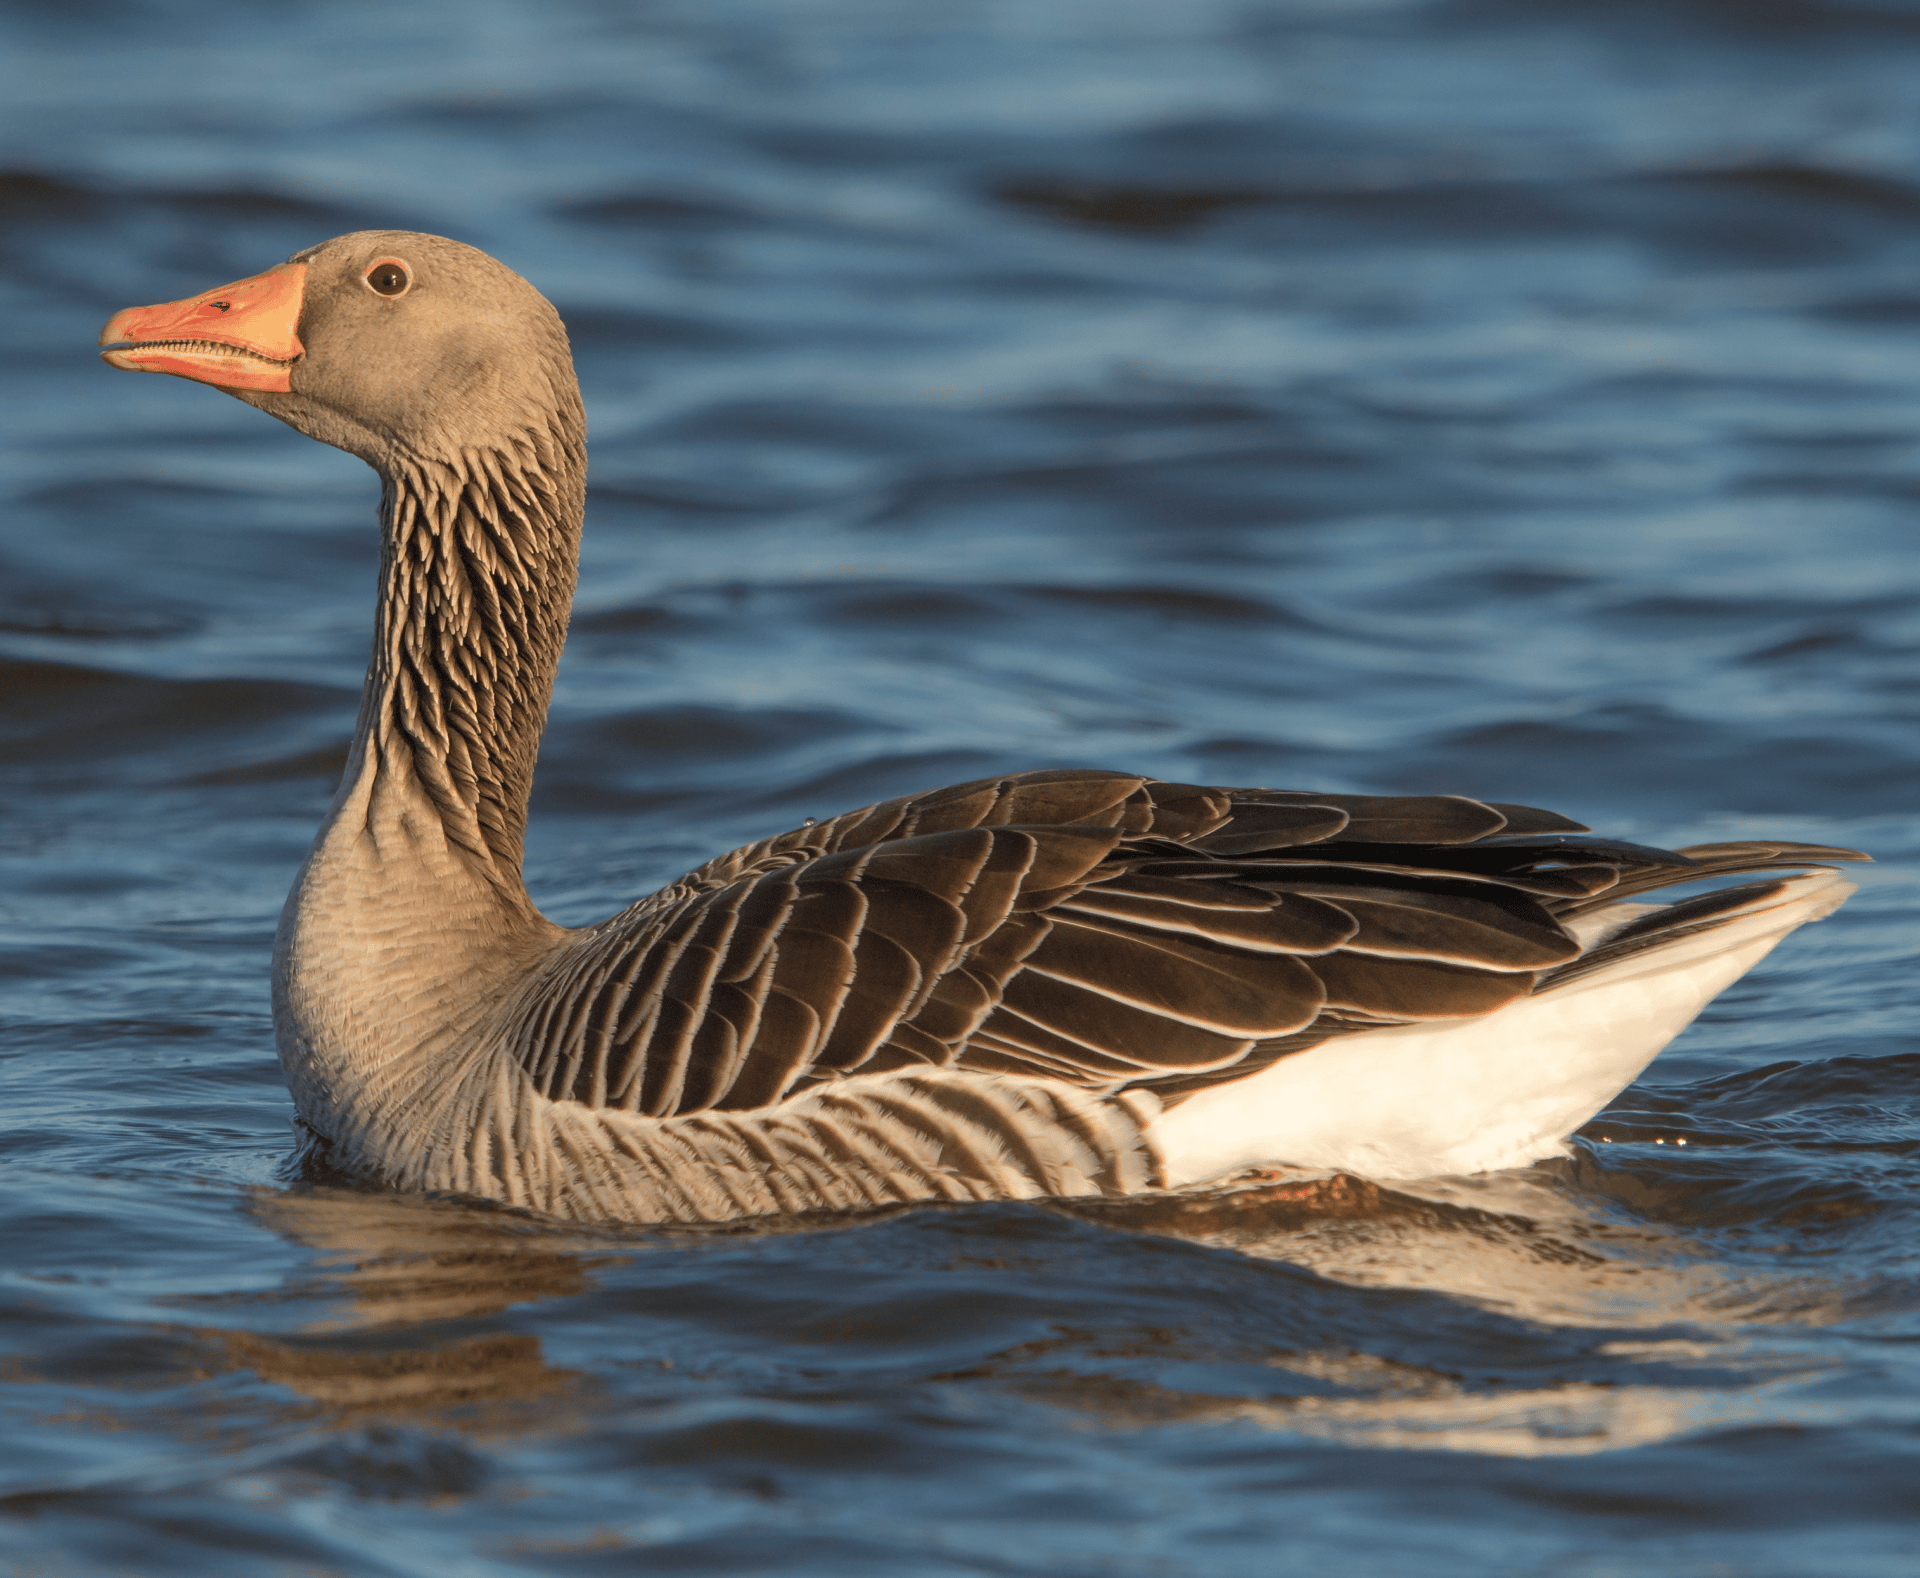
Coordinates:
[1465,1096]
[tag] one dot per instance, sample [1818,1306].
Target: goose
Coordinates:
[1048,984]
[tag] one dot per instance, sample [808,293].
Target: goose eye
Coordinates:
[389,278]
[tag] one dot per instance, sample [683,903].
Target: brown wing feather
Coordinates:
[1096,928]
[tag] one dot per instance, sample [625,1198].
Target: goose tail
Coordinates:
[1421,1100]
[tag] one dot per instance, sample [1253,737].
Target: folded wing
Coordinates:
[1100,929]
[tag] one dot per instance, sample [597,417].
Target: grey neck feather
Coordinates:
[478,562]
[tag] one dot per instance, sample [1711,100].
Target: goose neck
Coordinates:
[478,561]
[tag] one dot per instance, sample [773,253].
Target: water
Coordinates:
[1500,398]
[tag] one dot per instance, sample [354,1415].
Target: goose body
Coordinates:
[1054,983]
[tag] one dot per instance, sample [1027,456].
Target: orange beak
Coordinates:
[241,336]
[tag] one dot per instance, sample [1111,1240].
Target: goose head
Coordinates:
[392,345]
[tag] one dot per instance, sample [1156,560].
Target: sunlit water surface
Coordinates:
[1513,399]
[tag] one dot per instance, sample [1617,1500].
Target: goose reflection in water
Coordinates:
[403,1284]
[408,1330]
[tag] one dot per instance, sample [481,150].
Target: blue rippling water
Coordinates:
[1516,399]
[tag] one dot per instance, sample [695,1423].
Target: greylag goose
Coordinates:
[1048,984]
